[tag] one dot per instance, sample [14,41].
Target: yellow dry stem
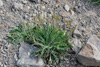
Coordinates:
[34,39]
[24,27]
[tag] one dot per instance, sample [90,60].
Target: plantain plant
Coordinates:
[95,1]
[53,42]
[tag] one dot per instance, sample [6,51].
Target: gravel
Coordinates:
[82,13]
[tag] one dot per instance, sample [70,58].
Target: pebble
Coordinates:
[0,40]
[66,7]
[5,65]
[37,6]
[43,15]
[46,1]
[76,9]
[18,6]
[0,63]
[34,14]
[42,7]
[72,12]
[24,2]
[15,57]
[1,3]
[77,33]
[36,1]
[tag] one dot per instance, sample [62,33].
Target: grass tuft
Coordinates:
[53,42]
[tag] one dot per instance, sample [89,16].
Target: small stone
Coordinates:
[49,15]
[67,62]
[7,0]
[2,12]
[57,6]
[77,44]
[42,7]
[66,7]
[18,6]
[5,26]
[0,40]
[36,1]
[0,63]
[37,6]
[9,45]
[5,65]
[34,14]
[15,57]
[50,11]
[72,12]
[46,1]
[77,33]
[35,11]
[24,2]
[56,1]
[98,35]
[1,3]
[76,9]
[25,17]
[1,26]
[28,7]
[64,13]
[43,15]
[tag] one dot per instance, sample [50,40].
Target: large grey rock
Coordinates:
[90,54]
[1,3]
[25,58]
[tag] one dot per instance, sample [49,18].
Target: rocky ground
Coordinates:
[84,14]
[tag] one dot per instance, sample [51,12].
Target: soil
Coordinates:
[84,14]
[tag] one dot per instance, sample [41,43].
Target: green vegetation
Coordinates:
[95,1]
[52,41]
